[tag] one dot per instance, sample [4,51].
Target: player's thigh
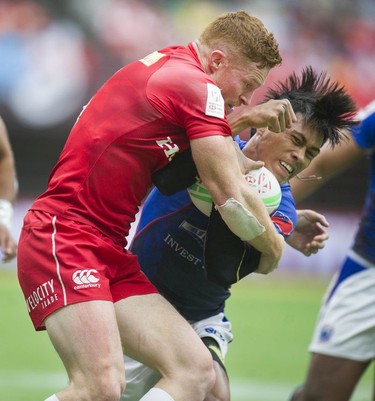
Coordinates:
[86,337]
[332,379]
[154,333]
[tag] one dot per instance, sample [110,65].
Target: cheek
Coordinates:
[306,163]
[231,86]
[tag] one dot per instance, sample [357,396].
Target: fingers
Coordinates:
[7,245]
[250,164]
[264,271]
[307,216]
[290,116]
[283,116]
[318,243]
[322,220]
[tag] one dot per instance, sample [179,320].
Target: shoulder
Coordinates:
[181,76]
[364,134]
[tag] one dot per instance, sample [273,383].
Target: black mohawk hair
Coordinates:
[325,104]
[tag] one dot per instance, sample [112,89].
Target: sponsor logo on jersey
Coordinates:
[85,278]
[181,251]
[215,102]
[198,234]
[283,223]
[43,295]
[170,148]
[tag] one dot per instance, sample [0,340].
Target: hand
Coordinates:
[7,244]
[309,235]
[270,260]
[246,164]
[276,115]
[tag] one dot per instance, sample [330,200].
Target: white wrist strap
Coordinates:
[6,213]
[240,220]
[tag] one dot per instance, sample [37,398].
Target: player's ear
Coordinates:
[216,59]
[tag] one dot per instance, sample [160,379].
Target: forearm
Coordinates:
[8,180]
[277,115]
[330,163]
[224,180]
[239,120]
[8,176]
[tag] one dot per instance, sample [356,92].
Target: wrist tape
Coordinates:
[6,213]
[240,220]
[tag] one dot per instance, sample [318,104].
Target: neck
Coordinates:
[200,49]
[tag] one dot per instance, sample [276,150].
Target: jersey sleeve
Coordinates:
[187,96]
[240,142]
[364,134]
[284,217]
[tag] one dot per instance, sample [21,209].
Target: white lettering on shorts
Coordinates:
[43,295]
[85,279]
[215,102]
[211,330]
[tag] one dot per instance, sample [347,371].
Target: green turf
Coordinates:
[273,319]
[272,322]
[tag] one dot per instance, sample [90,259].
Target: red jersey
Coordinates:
[133,126]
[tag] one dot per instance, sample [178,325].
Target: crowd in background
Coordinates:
[55,54]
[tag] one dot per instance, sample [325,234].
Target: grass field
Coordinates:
[272,321]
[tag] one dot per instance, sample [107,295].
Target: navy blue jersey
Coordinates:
[169,243]
[364,135]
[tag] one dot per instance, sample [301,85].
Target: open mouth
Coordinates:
[287,167]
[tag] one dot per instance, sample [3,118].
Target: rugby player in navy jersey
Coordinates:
[342,347]
[193,259]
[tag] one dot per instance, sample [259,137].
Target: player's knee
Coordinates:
[221,390]
[109,391]
[108,386]
[218,394]
[203,373]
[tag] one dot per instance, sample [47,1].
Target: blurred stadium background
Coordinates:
[55,54]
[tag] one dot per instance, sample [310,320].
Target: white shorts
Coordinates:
[346,321]
[140,378]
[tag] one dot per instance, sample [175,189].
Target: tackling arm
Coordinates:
[181,172]
[219,169]
[276,115]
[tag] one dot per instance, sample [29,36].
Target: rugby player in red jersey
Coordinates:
[79,282]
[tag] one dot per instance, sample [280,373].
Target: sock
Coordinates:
[52,398]
[155,394]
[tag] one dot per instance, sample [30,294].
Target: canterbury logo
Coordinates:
[85,276]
